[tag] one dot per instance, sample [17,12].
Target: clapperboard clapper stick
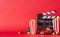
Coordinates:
[49,12]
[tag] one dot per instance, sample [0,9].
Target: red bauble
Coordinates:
[42,32]
[22,32]
[38,31]
[47,31]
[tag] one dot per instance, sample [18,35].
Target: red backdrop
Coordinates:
[15,14]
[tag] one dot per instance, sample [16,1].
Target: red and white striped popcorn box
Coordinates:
[33,26]
[56,25]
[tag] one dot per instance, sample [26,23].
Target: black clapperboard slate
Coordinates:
[45,22]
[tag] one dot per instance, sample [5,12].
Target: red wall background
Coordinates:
[15,14]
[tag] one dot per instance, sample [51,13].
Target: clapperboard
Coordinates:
[44,21]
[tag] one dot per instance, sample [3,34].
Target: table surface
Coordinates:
[27,35]
[10,34]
